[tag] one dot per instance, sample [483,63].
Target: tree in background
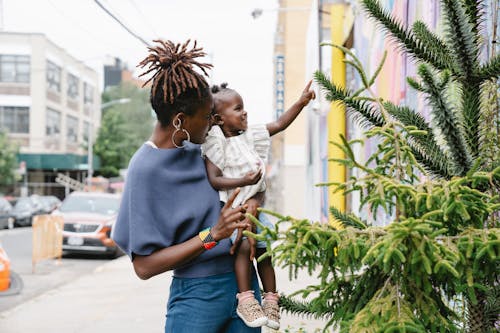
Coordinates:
[124,127]
[8,161]
[435,267]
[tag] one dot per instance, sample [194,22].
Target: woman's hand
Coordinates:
[229,219]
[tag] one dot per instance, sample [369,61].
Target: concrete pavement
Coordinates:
[113,299]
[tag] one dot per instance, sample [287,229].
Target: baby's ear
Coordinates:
[218,119]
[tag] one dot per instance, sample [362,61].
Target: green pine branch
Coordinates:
[490,70]
[415,84]
[346,219]
[301,308]
[434,167]
[364,112]
[432,42]
[424,147]
[405,38]
[471,112]
[461,37]
[447,122]
[474,10]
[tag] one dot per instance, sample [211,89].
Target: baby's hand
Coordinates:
[307,95]
[252,178]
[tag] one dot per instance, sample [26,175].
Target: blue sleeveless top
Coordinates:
[167,200]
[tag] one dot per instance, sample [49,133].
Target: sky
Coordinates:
[239,46]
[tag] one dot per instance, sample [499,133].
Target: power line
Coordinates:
[120,23]
[144,18]
[90,34]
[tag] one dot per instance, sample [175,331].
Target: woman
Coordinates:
[170,217]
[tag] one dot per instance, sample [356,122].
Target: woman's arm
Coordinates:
[175,256]
[289,116]
[221,183]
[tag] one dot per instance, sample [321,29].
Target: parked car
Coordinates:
[49,203]
[5,212]
[88,219]
[24,210]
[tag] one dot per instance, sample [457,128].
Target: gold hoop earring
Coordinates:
[177,125]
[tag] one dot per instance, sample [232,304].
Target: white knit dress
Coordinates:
[238,155]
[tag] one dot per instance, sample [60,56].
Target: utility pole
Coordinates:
[1,15]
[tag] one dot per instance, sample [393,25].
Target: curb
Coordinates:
[16,285]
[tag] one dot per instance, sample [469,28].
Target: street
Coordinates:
[48,274]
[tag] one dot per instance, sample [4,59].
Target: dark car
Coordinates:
[24,210]
[88,220]
[5,212]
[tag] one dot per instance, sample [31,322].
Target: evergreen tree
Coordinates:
[8,160]
[435,267]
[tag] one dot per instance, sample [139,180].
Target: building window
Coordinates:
[53,123]
[72,129]
[53,77]
[73,83]
[14,68]
[15,119]
[88,94]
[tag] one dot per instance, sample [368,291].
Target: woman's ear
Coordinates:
[179,119]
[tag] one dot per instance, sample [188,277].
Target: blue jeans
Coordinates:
[206,305]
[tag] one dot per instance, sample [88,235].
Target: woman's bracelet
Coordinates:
[207,239]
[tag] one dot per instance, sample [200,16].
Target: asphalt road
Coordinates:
[48,274]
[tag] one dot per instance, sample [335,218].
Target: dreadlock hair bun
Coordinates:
[176,85]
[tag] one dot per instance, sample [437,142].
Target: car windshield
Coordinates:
[88,204]
[4,205]
[23,204]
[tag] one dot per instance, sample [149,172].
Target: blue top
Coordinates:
[168,200]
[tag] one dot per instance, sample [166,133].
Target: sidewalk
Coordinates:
[113,299]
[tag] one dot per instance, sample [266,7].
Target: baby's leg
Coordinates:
[249,309]
[266,272]
[242,266]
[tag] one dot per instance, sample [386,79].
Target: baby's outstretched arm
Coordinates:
[221,183]
[289,116]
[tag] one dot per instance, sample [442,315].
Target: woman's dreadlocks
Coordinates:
[176,87]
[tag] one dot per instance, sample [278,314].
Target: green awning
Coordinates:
[58,161]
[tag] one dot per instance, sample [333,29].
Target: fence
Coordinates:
[47,238]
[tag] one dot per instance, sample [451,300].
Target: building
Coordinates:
[49,104]
[286,186]
[299,154]
[116,72]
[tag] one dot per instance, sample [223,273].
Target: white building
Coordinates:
[49,101]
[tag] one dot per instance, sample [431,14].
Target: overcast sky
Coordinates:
[240,47]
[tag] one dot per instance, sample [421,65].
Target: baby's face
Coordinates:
[233,114]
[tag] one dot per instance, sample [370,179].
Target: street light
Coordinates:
[257,12]
[90,149]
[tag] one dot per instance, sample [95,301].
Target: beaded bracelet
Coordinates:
[207,239]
